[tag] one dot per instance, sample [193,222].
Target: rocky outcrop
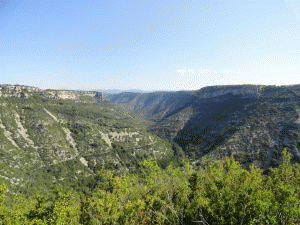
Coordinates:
[18,91]
[21,91]
[244,91]
[72,95]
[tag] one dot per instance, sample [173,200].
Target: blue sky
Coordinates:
[149,44]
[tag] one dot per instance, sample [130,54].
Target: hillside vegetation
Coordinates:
[220,194]
[209,156]
[46,141]
[249,123]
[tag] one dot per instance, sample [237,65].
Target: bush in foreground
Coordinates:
[220,194]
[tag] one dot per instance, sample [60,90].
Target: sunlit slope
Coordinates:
[52,140]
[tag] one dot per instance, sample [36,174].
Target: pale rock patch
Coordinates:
[83,161]
[8,135]
[116,136]
[119,136]
[70,139]
[105,138]
[54,117]
[7,178]
[154,153]
[151,138]
[23,131]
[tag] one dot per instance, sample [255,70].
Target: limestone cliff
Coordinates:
[72,95]
[7,90]
[244,91]
[21,91]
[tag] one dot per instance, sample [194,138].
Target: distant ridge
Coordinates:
[117,91]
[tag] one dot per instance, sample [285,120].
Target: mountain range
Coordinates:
[53,137]
[116,91]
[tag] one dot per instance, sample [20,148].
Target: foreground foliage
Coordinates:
[220,194]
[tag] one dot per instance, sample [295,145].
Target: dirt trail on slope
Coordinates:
[67,132]
[23,131]
[8,135]
[70,138]
[51,115]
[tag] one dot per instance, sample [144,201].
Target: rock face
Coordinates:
[72,95]
[20,91]
[243,91]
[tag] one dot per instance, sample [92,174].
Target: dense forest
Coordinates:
[220,193]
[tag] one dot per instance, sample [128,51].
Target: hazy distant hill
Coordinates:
[116,91]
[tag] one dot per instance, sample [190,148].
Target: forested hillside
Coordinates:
[210,156]
[249,123]
[47,141]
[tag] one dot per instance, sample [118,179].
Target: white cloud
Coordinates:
[191,72]
[181,72]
